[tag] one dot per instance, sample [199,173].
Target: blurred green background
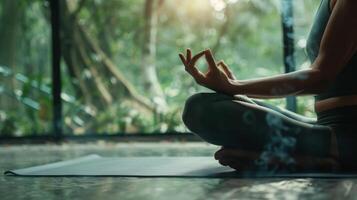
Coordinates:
[120,69]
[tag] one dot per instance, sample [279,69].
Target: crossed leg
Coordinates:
[248,129]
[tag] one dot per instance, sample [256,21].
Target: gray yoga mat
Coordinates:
[198,167]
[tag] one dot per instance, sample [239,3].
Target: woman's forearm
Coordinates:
[302,82]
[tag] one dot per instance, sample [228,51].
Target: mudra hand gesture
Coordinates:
[218,77]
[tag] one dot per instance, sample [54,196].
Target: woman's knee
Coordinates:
[198,111]
[193,110]
[196,107]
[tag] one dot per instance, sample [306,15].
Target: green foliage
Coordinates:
[251,45]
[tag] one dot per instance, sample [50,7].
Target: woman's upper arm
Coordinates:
[339,42]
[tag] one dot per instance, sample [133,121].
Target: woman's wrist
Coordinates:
[235,88]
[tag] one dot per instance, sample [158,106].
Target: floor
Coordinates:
[19,156]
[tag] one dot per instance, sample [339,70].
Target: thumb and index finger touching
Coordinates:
[190,62]
[225,68]
[210,60]
[221,64]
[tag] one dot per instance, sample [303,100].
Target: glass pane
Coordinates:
[25,68]
[304,12]
[121,71]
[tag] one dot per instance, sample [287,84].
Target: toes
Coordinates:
[231,163]
[223,162]
[235,153]
[220,154]
[240,164]
[237,159]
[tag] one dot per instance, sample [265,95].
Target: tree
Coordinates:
[90,68]
[149,73]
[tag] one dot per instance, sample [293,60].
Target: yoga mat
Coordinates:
[195,167]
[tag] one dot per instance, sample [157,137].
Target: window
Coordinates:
[25,68]
[304,12]
[120,69]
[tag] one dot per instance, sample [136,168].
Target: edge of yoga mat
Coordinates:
[215,172]
[28,170]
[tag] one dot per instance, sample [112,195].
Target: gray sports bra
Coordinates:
[346,81]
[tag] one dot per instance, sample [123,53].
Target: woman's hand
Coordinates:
[218,77]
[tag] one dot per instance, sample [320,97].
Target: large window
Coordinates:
[304,12]
[25,68]
[120,69]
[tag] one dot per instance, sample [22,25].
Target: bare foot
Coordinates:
[243,160]
[236,158]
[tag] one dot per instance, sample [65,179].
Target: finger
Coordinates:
[223,69]
[195,58]
[210,60]
[219,65]
[191,69]
[183,59]
[189,54]
[227,70]
[196,74]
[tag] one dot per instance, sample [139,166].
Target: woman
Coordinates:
[249,130]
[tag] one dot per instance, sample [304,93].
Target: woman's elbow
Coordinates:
[320,80]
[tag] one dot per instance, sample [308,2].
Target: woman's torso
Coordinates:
[343,91]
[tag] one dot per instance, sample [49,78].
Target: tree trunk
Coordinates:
[90,68]
[223,30]
[151,82]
